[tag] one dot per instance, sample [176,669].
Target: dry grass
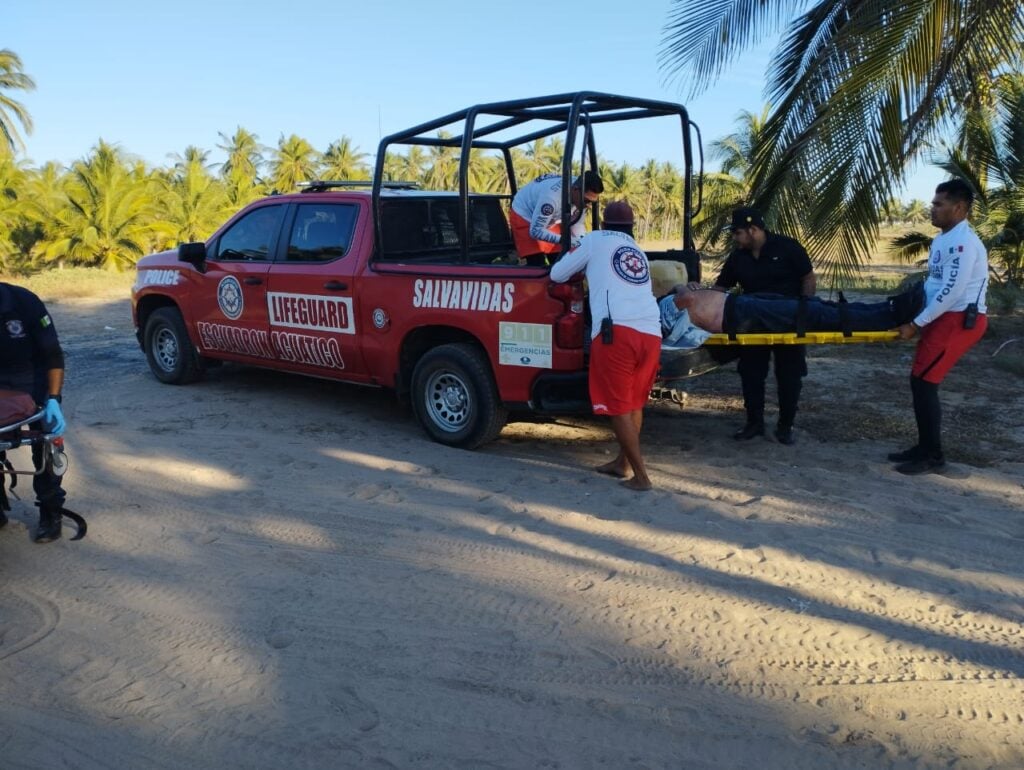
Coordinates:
[76,282]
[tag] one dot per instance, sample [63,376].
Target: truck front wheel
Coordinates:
[170,353]
[455,398]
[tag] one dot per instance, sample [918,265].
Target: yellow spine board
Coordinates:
[810,338]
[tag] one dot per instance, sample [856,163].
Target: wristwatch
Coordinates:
[55,397]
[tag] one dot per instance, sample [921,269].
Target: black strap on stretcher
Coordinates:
[729,317]
[844,315]
[801,317]
[79,523]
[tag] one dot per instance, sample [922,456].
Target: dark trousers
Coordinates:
[928,414]
[753,313]
[50,495]
[790,369]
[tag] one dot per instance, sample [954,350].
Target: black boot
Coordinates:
[906,306]
[784,434]
[753,428]
[914,453]
[3,518]
[49,525]
[927,464]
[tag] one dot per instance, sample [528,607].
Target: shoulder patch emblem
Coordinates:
[630,265]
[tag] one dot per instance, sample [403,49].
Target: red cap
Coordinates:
[618,213]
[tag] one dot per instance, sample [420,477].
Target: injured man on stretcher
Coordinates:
[689,316]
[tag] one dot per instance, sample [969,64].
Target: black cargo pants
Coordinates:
[790,369]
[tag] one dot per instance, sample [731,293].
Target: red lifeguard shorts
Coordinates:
[526,245]
[943,342]
[622,374]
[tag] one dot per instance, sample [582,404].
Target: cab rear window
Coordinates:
[426,229]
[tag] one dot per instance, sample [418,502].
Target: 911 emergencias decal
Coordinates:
[522,344]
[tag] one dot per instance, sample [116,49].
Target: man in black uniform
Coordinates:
[764,262]
[31,361]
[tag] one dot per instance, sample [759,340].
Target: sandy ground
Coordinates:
[285,573]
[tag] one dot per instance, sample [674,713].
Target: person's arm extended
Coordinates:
[727,277]
[809,285]
[543,216]
[54,382]
[570,263]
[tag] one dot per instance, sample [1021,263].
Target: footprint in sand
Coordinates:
[362,714]
[280,639]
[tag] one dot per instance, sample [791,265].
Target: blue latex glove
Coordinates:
[53,417]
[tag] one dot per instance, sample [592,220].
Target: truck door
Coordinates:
[310,298]
[231,305]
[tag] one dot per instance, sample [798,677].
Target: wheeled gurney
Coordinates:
[21,425]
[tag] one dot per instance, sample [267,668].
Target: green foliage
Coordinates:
[12,78]
[859,88]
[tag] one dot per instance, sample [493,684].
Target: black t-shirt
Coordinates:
[778,270]
[29,347]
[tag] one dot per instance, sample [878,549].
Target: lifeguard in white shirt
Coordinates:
[536,217]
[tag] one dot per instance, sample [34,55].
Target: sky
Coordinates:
[154,78]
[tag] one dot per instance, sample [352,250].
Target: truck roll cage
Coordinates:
[503,126]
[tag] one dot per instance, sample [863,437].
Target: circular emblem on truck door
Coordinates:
[380,318]
[229,297]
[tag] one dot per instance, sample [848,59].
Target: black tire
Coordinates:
[454,397]
[169,351]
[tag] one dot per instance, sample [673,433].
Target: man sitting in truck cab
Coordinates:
[536,217]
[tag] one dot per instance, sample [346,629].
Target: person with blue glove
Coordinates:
[32,361]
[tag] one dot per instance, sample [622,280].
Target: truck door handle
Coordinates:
[252,281]
[335,285]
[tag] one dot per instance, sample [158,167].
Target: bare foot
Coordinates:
[637,486]
[612,469]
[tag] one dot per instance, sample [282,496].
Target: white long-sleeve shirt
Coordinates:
[540,204]
[619,280]
[957,274]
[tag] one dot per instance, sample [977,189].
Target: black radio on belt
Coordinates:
[606,330]
[971,315]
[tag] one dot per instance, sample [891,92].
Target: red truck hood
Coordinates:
[160,259]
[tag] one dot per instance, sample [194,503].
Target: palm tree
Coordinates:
[192,200]
[860,88]
[989,156]
[110,220]
[443,171]
[539,157]
[915,212]
[244,155]
[43,199]
[416,164]
[294,161]
[731,186]
[12,184]
[344,161]
[12,78]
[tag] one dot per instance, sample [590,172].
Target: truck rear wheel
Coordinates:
[455,398]
[169,351]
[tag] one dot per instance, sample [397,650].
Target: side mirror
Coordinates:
[194,254]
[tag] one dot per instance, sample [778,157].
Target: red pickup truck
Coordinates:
[421,292]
